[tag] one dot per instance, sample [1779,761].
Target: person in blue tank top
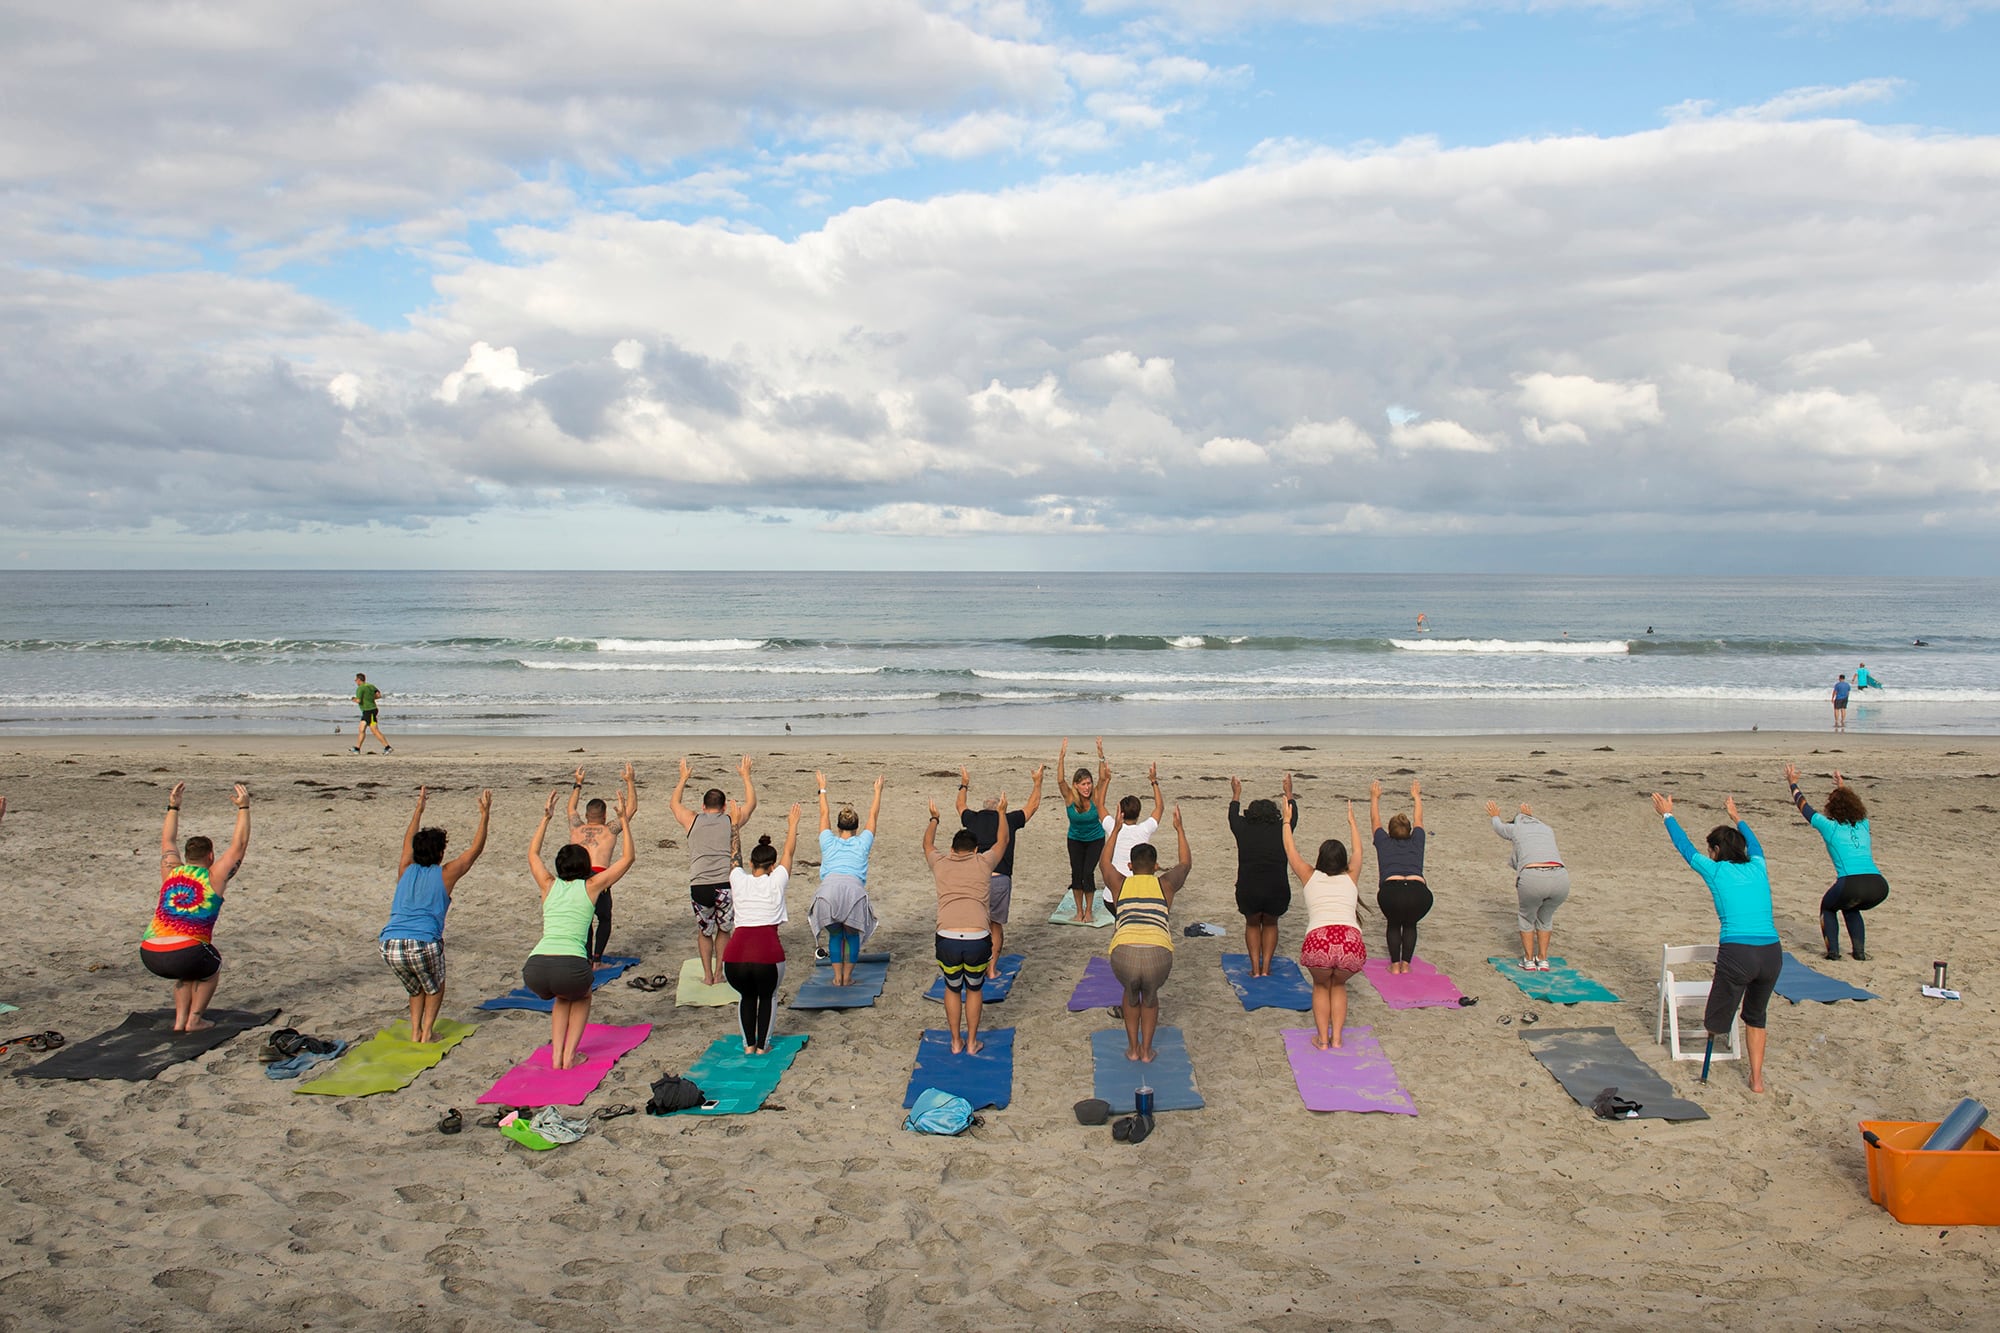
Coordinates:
[1748,957]
[413,941]
[1858,884]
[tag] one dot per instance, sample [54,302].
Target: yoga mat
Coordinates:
[8,1008]
[871,971]
[1065,913]
[534,1083]
[387,1061]
[996,989]
[1098,989]
[1586,1061]
[1170,1075]
[1357,1077]
[1798,982]
[144,1045]
[1561,984]
[1285,988]
[1422,987]
[739,1083]
[985,1079]
[610,966]
[692,991]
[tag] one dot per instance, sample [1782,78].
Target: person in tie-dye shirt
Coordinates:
[178,944]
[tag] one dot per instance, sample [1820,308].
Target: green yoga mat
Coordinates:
[8,1008]
[386,1061]
[691,991]
[1065,913]
[735,1083]
[1561,984]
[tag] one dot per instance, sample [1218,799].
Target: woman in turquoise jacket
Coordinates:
[1858,885]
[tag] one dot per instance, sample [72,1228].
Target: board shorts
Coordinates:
[368,717]
[963,962]
[999,898]
[1337,947]
[418,964]
[714,909]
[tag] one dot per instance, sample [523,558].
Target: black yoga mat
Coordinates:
[144,1044]
[1586,1061]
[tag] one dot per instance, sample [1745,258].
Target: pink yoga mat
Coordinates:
[1357,1077]
[534,1083]
[1423,986]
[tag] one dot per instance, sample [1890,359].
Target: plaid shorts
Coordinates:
[418,964]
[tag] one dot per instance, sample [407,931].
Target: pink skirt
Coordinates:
[1337,947]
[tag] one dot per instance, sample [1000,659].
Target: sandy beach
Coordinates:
[216,1198]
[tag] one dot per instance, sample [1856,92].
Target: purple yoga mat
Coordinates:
[1098,989]
[534,1083]
[1357,1077]
[1423,986]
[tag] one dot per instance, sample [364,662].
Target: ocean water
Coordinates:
[1028,654]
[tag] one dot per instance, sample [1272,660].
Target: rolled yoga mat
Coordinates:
[1561,984]
[1356,1077]
[693,991]
[534,1082]
[871,972]
[1422,987]
[1798,982]
[1586,1061]
[145,1044]
[1170,1074]
[1099,989]
[1065,913]
[985,1079]
[996,989]
[608,967]
[1285,988]
[735,1083]
[386,1061]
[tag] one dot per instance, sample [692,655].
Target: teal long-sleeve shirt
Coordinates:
[1741,889]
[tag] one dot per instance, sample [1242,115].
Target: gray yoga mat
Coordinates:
[1586,1061]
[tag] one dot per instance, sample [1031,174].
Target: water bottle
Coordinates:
[1957,1129]
[1142,1104]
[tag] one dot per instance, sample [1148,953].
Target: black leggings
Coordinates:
[1404,902]
[1850,896]
[756,983]
[1083,865]
[603,934]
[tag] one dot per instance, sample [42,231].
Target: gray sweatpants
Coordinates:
[1541,891]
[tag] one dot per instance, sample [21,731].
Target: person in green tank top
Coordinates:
[559,968]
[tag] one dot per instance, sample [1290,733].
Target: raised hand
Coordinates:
[685,771]
[1493,809]
[1177,816]
[630,774]
[1375,790]
[1235,788]
[1526,810]
[744,766]
[549,806]
[1792,774]
[1100,747]
[1153,773]
[627,808]
[819,780]
[1838,780]
[423,794]
[1729,804]
[964,776]
[1040,770]
[793,818]
[1288,786]
[242,798]
[1662,805]
[485,800]
[1416,789]
[579,775]
[174,796]
[1003,802]
[880,779]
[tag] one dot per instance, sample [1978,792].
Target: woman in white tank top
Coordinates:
[1333,950]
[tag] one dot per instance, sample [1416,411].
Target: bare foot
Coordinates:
[1335,1045]
[1147,1055]
[974,1047]
[1131,1053]
[957,1045]
[198,1025]
[1757,1085]
[1319,1042]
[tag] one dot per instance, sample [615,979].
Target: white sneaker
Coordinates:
[1541,965]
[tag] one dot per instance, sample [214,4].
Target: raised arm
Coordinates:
[875,803]
[1417,801]
[930,835]
[1798,797]
[1756,848]
[575,795]
[1101,793]
[1172,880]
[1359,858]
[1375,805]
[682,815]
[998,850]
[631,789]
[239,841]
[1664,807]
[791,838]
[1114,880]
[1159,801]
[410,833]
[170,830]
[1500,826]
[611,874]
[535,867]
[1062,774]
[749,806]
[454,869]
[1027,811]
[964,782]
[819,780]
[1300,866]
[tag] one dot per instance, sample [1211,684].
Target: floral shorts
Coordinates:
[714,909]
[1337,947]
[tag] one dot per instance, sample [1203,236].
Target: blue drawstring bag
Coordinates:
[937,1112]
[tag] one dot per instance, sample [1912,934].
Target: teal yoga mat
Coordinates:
[737,1084]
[1561,984]
[1170,1075]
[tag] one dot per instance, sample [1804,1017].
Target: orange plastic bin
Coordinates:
[1933,1189]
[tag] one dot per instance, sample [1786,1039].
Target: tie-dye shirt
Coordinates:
[188,907]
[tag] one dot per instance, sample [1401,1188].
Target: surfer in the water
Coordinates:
[1864,681]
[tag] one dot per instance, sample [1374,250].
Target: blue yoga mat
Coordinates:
[995,990]
[1170,1075]
[735,1083]
[611,966]
[985,1079]
[1285,988]
[1798,982]
[871,970]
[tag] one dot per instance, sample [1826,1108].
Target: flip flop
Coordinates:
[1467,1001]
[1122,1130]
[451,1122]
[1142,1125]
[43,1041]
[1529,1020]
[611,1112]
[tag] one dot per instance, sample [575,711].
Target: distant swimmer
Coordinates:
[1649,629]
[1920,643]
[1864,681]
[1422,628]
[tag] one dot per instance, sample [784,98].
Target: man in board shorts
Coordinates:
[711,835]
[964,921]
[985,825]
[598,838]
[1840,692]
[365,695]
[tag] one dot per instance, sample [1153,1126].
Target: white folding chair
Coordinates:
[1675,992]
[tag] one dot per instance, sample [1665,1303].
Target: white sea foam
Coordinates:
[703,668]
[1577,647]
[664,646]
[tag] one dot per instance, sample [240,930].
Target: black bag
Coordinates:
[674,1093]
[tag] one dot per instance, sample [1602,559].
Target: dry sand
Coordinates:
[216,1198]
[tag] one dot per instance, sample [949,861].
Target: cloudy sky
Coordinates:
[1568,285]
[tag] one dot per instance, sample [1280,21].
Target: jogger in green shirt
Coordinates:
[366,695]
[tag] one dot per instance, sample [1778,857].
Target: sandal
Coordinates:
[1529,1020]
[282,1045]
[452,1122]
[648,983]
[611,1112]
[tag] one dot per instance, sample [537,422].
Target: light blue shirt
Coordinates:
[1847,844]
[1741,889]
[417,913]
[845,856]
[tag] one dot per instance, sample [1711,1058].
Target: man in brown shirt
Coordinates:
[964,929]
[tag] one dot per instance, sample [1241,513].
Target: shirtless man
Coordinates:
[710,836]
[178,943]
[365,696]
[598,838]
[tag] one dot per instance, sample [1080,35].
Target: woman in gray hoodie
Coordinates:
[1540,881]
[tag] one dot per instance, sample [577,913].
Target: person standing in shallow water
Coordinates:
[367,696]
[1841,689]
[599,839]
[179,941]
